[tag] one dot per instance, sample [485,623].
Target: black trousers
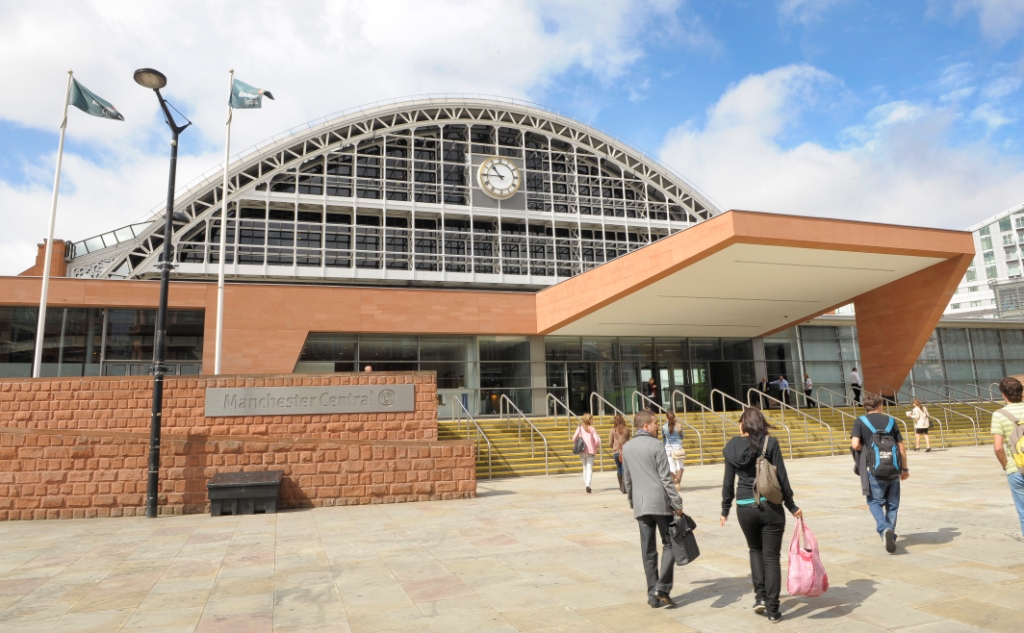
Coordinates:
[649,525]
[763,526]
[810,402]
[856,393]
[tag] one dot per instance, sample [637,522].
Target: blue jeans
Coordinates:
[618,463]
[1016,481]
[884,503]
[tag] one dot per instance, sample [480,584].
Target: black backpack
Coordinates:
[883,457]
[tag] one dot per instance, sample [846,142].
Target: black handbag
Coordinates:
[579,447]
[684,543]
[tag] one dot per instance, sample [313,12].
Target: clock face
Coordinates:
[499,178]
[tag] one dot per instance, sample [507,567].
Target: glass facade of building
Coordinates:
[98,341]
[479,370]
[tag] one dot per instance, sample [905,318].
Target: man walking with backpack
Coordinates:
[882,465]
[1007,435]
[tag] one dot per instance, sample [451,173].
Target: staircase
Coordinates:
[513,455]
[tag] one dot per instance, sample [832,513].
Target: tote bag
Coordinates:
[807,576]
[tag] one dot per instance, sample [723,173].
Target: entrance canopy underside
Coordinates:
[746,290]
[746,274]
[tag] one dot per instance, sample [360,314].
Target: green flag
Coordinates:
[89,103]
[245,96]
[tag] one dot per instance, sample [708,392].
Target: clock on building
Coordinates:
[499,178]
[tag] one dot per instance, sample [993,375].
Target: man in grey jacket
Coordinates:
[654,500]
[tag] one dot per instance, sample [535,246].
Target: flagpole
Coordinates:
[37,362]
[223,235]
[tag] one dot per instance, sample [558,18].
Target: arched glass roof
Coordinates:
[392,194]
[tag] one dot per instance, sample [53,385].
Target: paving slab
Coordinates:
[535,554]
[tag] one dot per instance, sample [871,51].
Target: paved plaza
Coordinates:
[532,554]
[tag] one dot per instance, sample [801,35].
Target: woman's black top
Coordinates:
[741,461]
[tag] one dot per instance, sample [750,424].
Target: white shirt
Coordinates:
[808,384]
[855,378]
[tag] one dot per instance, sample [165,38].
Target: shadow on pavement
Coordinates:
[835,603]
[939,537]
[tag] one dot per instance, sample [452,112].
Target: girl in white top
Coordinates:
[921,425]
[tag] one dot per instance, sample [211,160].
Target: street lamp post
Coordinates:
[155,80]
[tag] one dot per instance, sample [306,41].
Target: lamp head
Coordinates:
[150,78]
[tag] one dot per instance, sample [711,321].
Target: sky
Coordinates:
[903,112]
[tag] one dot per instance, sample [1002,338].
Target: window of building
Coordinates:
[955,306]
[1009,239]
[1010,253]
[990,257]
[972,289]
[1013,268]
[975,304]
[1004,224]
[983,230]
[1018,221]
[972,275]
[986,243]
[990,272]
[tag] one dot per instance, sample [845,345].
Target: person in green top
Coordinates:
[1002,431]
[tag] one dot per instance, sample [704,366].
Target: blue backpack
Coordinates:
[883,452]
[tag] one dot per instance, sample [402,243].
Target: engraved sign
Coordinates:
[309,400]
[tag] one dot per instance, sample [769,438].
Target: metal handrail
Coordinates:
[849,401]
[978,397]
[977,394]
[789,434]
[457,415]
[700,440]
[974,424]
[711,398]
[842,414]
[703,410]
[568,412]
[990,392]
[600,398]
[951,399]
[522,418]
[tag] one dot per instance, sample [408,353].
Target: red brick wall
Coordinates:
[79,447]
[82,474]
[125,404]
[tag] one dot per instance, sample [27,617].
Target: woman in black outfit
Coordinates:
[762,523]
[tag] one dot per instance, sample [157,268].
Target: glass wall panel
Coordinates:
[600,348]
[955,345]
[636,348]
[668,350]
[504,348]
[1013,343]
[985,343]
[705,349]
[737,349]
[562,348]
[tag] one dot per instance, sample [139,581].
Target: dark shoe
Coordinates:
[774,618]
[588,489]
[663,599]
[759,606]
[890,541]
[928,450]
[653,602]
[622,484]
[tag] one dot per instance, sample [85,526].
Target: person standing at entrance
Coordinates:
[1004,423]
[921,425]
[855,384]
[592,441]
[783,387]
[672,436]
[652,391]
[763,388]
[808,389]
[762,522]
[654,500]
[617,439]
[882,464]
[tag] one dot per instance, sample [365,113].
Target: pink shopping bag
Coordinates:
[807,576]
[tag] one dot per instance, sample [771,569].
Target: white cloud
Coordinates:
[999,20]
[316,56]
[898,166]
[991,116]
[805,11]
